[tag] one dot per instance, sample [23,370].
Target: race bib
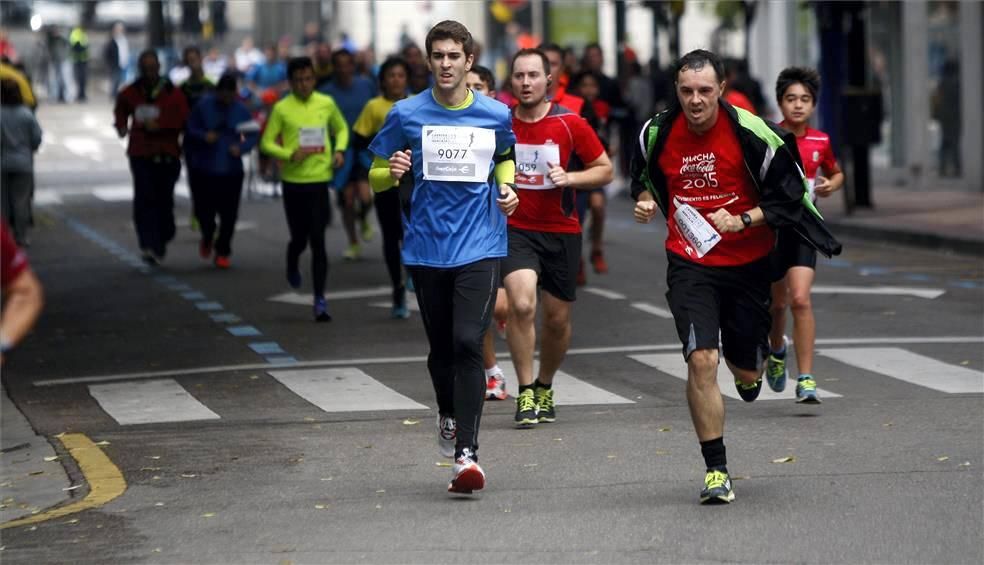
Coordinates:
[146,113]
[699,233]
[457,154]
[312,138]
[811,187]
[532,165]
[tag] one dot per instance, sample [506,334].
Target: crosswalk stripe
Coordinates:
[673,364]
[147,402]
[651,309]
[568,390]
[910,367]
[345,389]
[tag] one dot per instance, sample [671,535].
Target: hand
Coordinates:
[300,154]
[645,211]
[338,160]
[509,200]
[823,187]
[558,176]
[400,163]
[211,136]
[122,131]
[151,125]
[725,222]
[235,151]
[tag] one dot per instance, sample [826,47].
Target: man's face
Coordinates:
[344,67]
[475,82]
[448,63]
[593,59]
[193,60]
[698,92]
[323,54]
[302,83]
[529,80]
[395,82]
[150,68]
[797,104]
[556,63]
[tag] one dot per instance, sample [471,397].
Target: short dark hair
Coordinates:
[455,31]
[593,45]
[550,46]
[391,62]
[695,61]
[298,64]
[576,81]
[485,75]
[809,78]
[228,81]
[10,94]
[148,53]
[538,52]
[189,50]
[338,53]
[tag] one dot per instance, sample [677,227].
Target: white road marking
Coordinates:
[651,309]
[84,146]
[673,364]
[929,293]
[635,348]
[910,367]
[114,194]
[345,389]
[47,197]
[411,303]
[604,293]
[568,390]
[307,299]
[149,402]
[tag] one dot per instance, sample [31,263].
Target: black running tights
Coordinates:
[307,207]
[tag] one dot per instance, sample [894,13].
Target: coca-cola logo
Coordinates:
[698,167]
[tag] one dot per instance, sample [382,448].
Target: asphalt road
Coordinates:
[284,463]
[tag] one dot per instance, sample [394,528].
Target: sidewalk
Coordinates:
[28,482]
[950,220]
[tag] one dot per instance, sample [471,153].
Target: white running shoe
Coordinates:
[446,435]
[468,476]
[495,388]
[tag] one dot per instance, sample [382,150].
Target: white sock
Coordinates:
[495,370]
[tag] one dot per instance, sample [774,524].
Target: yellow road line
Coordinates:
[103,477]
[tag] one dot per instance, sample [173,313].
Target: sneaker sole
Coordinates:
[547,419]
[467,482]
[808,400]
[527,423]
[495,396]
[718,500]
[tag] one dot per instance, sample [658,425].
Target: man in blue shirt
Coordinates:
[461,151]
[218,134]
[351,92]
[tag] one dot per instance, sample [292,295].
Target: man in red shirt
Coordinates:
[697,162]
[152,111]
[544,233]
[22,294]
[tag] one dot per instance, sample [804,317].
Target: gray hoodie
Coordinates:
[20,137]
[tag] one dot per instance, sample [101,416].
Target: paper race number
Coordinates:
[699,233]
[532,165]
[457,154]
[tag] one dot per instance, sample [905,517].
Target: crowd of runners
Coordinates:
[481,188]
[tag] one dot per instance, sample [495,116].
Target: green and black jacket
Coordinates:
[772,160]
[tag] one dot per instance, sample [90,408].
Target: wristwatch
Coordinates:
[746,220]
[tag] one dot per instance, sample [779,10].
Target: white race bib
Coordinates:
[532,165]
[146,112]
[457,154]
[698,232]
[312,138]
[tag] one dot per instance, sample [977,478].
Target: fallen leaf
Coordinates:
[327,478]
[612,456]
[150,468]
[740,478]
[943,458]
[379,507]
[34,528]
[787,459]
[52,458]
[410,422]
[158,504]
[319,506]
[73,521]
[531,465]
[35,473]
[157,550]
[155,457]
[380,491]
[208,515]
[832,380]
[507,510]
[102,443]
[965,464]
[558,439]
[155,478]
[888,424]
[666,429]
[965,362]
[661,452]
[73,487]
[253,377]
[639,397]
[309,419]
[442,464]
[189,475]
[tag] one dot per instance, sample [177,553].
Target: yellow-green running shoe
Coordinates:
[717,488]
[806,390]
[545,404]
[526,409]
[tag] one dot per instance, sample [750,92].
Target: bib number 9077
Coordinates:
[451,154]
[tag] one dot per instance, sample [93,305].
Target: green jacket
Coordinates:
[78,42]
[281,137]
[772,160]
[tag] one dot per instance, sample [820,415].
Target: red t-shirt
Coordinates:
[542,209]
[13,261]
[172,112]
[708,172]
[816,153]
[738,99]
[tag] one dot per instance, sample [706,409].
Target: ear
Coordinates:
[469,62]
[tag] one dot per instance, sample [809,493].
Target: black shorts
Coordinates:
[791,251]
[554,256]
[732,302]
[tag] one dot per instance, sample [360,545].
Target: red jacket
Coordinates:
[172,111]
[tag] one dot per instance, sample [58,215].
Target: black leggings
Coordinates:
[308,207]
[391,224]
[456,306]
[216,195]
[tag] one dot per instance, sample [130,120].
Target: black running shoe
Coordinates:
[526,411]
[749,392]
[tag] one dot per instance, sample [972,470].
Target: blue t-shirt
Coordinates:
[268,74]
[450,224]
[353,99]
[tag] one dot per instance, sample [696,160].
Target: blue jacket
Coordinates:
[214,158]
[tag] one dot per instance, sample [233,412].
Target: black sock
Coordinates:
[539,384]
[459,451]
[523,388]
[714,455]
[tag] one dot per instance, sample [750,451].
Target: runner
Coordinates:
[153,113]
[545,234]
[461,151]
[351,92]
[393,84]
[195,86]
[22,295]
[796,93]
[694,164]
[481,79]
[303,120]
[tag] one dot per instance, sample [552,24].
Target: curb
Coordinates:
[930,241]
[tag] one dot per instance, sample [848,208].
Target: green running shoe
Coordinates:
[717,488]
[526,410]
[545,404]
[806,390]
[775,369]
[749,392]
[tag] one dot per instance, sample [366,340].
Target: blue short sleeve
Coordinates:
[504,136]
[390,137]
